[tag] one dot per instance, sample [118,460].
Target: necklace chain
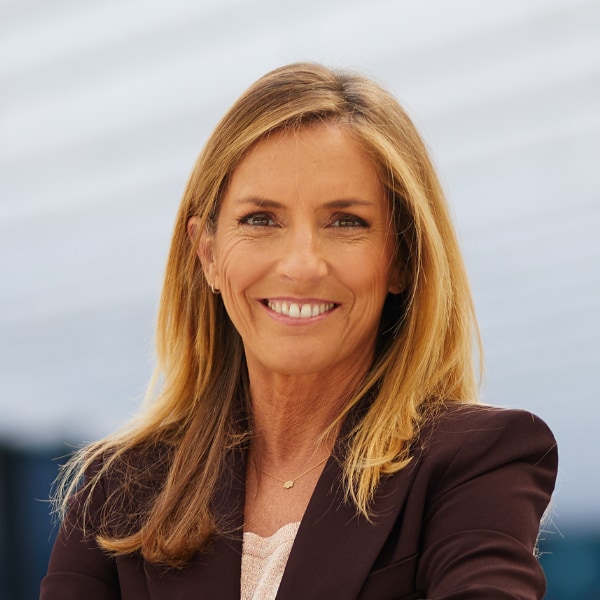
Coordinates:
[289,483]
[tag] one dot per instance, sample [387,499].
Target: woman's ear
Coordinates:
[398,276]
[203,241]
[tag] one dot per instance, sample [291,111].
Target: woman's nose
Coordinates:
[302,257]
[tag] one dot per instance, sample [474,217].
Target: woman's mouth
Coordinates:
[299,310]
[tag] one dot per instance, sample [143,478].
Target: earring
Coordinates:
[214,290]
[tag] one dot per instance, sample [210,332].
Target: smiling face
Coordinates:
[303,252]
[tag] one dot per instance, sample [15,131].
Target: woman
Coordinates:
[315,433]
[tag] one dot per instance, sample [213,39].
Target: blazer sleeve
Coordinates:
[78,567]
[487,497]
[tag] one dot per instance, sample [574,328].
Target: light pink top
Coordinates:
[264,560]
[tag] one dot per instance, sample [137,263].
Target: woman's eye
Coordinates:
[257,220]
[348,221]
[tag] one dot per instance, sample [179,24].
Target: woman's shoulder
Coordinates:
[463,417]
[119,483]
[477,429]
[482,447]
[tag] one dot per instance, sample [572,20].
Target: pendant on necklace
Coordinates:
[288,484]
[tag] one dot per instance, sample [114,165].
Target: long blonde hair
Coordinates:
[196,412]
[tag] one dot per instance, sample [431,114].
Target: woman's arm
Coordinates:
[483,516]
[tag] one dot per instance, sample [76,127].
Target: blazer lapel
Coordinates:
[332,555]
[335,548]
[215,574]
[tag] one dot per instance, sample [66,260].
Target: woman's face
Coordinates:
[303,252]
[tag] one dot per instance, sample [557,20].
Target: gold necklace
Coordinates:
[289,483]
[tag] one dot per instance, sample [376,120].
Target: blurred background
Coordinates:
[104,107]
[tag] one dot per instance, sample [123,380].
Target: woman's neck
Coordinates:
[293,417]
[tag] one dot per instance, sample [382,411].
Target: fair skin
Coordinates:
[303,254]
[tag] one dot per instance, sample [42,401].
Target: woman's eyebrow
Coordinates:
[259,202]
[347,203]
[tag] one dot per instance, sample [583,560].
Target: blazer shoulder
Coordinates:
[460,412]
[469,419]
[480,431]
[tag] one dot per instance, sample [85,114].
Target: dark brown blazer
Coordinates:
[460,522]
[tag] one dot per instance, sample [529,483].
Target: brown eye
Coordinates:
[257,220]
[348,221]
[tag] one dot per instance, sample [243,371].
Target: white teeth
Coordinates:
[306,311]
[299,311]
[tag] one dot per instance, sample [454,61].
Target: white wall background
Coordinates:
[104,107]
